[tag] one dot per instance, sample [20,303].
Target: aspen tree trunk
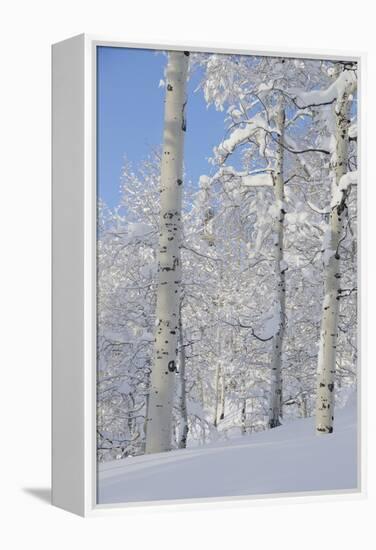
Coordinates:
[275,407]
[330,308]
[216,394]
[230,344]
[219,367]
[145,423]
[159,418]
[183,433]
[202,400]
[244,416]
[223,392]
[200,386]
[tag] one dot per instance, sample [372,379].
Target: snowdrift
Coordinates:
[290,458]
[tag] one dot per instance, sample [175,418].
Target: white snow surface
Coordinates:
[291,458]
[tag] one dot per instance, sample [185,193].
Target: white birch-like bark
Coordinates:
[183,431]
[202,400]
[216,394]
[159,415]
[330,308]
[219,366]
[244,416]
[230,344]
[223,393]
[275,407]
[304,411]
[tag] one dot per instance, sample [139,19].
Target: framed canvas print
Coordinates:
[205,274]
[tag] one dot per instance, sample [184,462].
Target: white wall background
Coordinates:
[27,30]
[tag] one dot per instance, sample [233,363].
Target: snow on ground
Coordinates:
[290,458]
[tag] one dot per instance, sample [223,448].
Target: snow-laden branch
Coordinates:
[242,135]
[242,325]
[258,178]
[353,131]
[316,98]
[346,181]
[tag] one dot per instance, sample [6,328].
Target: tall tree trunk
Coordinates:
[159,421]
[183,432]
[275,407]
[244,416]
[216,394]
[223,392]
[330,308]
[219,359]
[202,401]
[145,423]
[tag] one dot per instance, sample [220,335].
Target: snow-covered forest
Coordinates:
[228,305]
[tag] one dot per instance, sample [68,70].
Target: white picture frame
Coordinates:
[74,271]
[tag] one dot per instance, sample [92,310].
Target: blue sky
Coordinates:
[130,117]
